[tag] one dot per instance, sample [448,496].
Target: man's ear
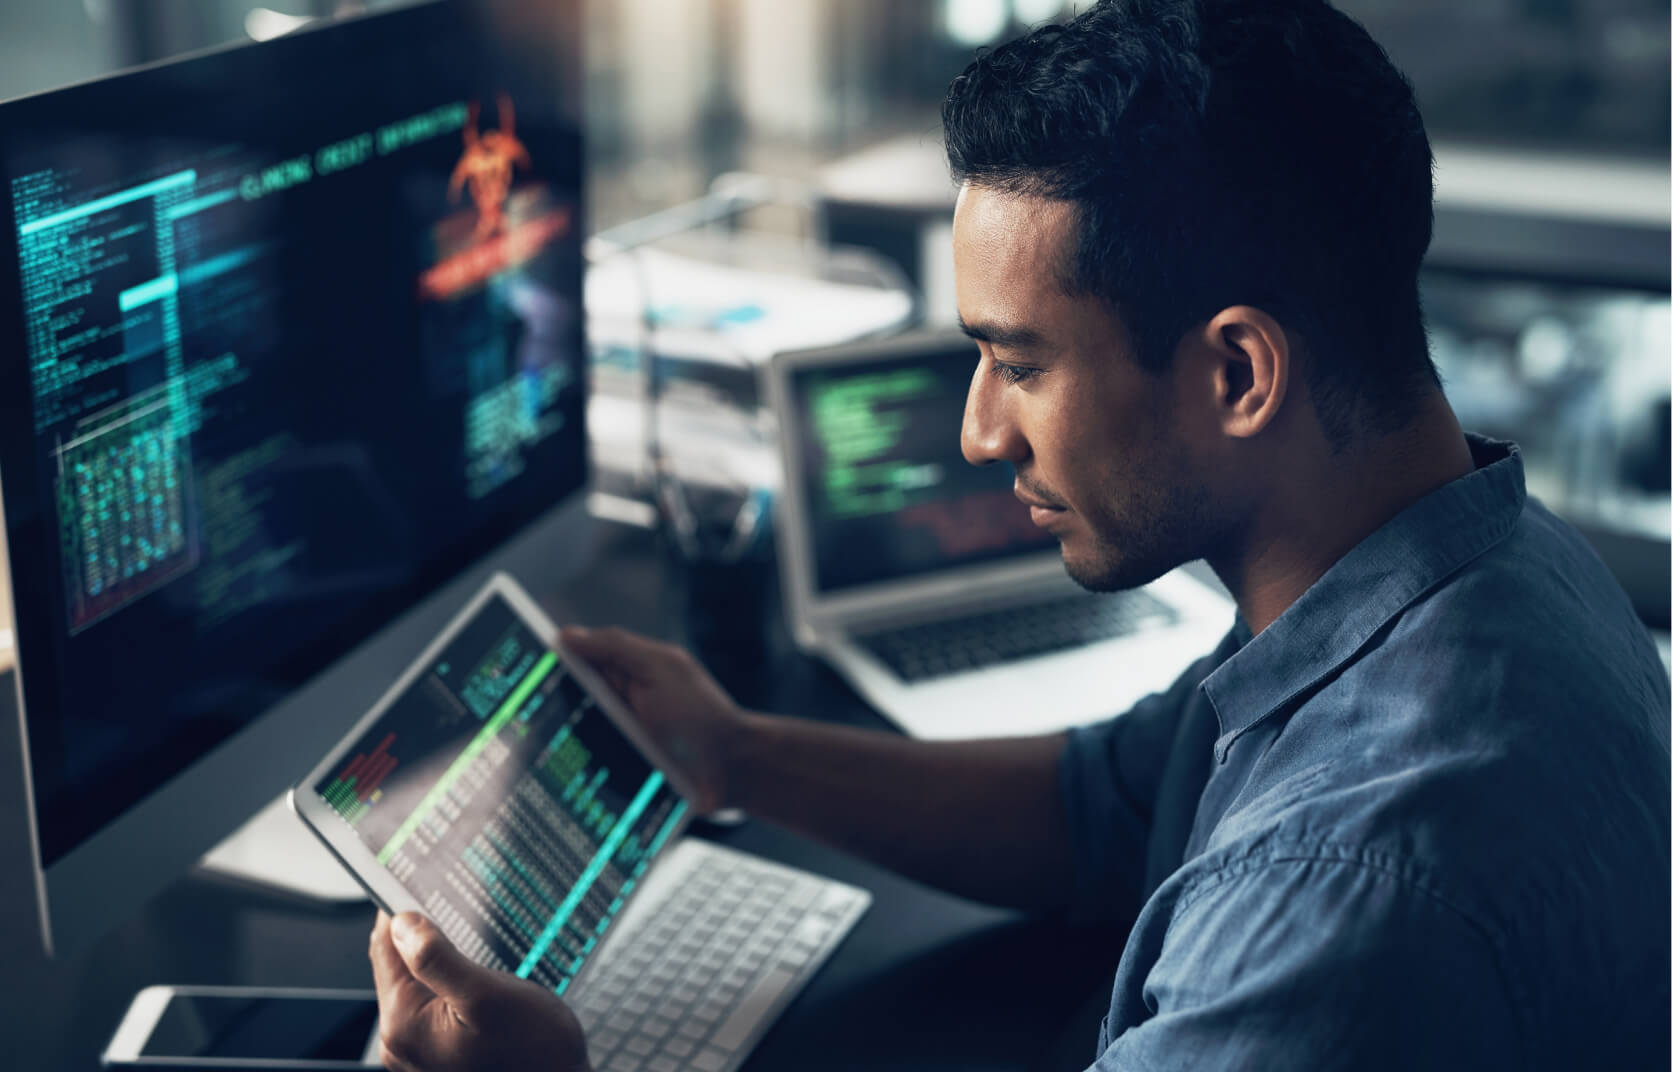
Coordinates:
[1252,361]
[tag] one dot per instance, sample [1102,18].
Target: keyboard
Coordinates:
[717,943]
[958,645]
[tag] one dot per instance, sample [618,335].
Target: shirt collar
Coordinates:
[1421,546]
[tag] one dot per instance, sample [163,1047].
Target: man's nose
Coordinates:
[991,433]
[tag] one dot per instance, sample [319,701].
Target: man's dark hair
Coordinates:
[1224,152]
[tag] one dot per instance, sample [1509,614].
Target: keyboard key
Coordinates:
[753,1009]
[922,651]
[836,902]
[623,1063]
[678,1047]
[663,1064]
[710,1061]
[640,1046]
[811,931]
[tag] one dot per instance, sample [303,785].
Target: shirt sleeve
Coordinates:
[1110,775]
[1309,963]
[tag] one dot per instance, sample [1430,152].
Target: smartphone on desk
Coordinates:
[250,1029]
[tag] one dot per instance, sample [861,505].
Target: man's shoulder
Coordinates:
[1525,637]
[1517,710]
[1499,749]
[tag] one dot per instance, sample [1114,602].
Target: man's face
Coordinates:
[1100,446]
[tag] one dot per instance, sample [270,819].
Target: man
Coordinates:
[1413,811]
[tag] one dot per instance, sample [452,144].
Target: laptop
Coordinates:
[502,789]
[921,578]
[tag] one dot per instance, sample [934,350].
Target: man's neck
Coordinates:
[1322,511]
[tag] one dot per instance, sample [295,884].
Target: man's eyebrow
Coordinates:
[1009,337]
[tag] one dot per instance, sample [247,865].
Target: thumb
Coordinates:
[594,645]
[435,961]
[610,649]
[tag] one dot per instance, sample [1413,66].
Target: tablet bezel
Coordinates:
[339,837]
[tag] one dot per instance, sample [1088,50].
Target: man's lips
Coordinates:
[1041,511]
[1036,502]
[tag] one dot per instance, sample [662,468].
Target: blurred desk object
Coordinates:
[925,981]
[683,309]
[896,197]
[1563,217]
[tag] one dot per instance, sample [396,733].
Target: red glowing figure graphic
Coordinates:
[487,166]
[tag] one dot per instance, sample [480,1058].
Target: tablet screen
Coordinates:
[510,807]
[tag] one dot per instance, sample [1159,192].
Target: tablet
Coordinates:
[501,789]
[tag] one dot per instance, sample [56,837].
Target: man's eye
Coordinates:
[1013,373]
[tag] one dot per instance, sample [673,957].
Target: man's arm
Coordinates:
[982,819]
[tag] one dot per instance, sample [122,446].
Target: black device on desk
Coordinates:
[247,1029]
[292,342]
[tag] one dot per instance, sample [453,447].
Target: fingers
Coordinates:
[389,973]
[390,1061]
[612,648]
[626,661]
[388,970]
[435,962]
[400,997]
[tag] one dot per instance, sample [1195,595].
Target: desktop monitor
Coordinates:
[290,357]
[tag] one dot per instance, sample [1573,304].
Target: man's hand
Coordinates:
[684,709]
[441,1012]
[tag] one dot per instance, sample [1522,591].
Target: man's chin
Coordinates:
[1110,572]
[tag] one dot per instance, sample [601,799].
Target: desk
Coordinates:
[925,981]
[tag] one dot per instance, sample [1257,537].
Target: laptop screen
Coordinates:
[888,493]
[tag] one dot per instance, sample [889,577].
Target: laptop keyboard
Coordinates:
[959,645]
[706,958]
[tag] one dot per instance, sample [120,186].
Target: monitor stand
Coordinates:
[275,850]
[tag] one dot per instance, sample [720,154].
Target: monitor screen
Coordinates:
[291,335]
[887,490]
[505,801]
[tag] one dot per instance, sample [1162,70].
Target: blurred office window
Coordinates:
[48,43]
[696,87]
[1577,374]
[1571,74]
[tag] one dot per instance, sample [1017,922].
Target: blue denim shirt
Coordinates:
[1419,822]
